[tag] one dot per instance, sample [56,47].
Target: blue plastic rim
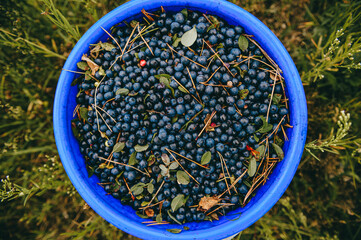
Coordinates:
[124,217]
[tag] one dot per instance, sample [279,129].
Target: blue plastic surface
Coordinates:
[124,217]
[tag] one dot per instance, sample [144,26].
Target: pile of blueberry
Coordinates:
[176,108]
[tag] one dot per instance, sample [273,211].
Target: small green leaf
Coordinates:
[186,228]
[133,23]
[276,98]
[177,202]
[122,91]
[252,167]
[90,170]
[166,83]
[278,151]
[141,215]
[256,138]
[146,96]
[243,43]
[189,37]
[182,178]
[185,13]
[165,159]
[144,203]
[220,45]
[243,93]
[215,23]
[150,188]
[174,230]
[132,159]
[82,65]
[101,71]
[182,89]
[173,165]
[174,119]
[137,190]
[173,218]
[206,158]
[119,146]
[159,218]
[165,80]
[176,42]
[83,111]
[167,76]
[140,148]
[107,46]
[262,151]
[266,127]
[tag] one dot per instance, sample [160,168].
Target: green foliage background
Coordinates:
[38,200]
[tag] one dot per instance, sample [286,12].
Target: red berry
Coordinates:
[213,125]
[142,63]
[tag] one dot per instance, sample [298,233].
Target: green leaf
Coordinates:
[132,159]
[176,42]
[146,96]
[165,158]
[150,188]
[173,218]
[182,178]
[220,45]
[266,127]
[262,151]
[182,89]
[177,202]
[165,80]
[241,72]
[119,146]
[166,83]
[215,23]
[101,71]
[159,218]
[243,43]
[140,148]
[174,119]
[256,138]
[174,230]
[252,167]
[107,46]
[74,128]
[137,190]
[185,13]
[189,37]
[278,151]
[122,91]
[173,165]
[82,65]
[90,170]
[186,228]
[133,23]
[167,76]
[206,158]
[141,215]
[243,93]
[83,111]
[276,98]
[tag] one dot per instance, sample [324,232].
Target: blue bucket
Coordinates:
[124,217]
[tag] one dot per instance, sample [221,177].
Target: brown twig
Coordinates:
[182,167]
[207,123]
[112,38]
[186,57]
[219,58]
[186,158]
[129,189]
[126,165]
[161,185]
